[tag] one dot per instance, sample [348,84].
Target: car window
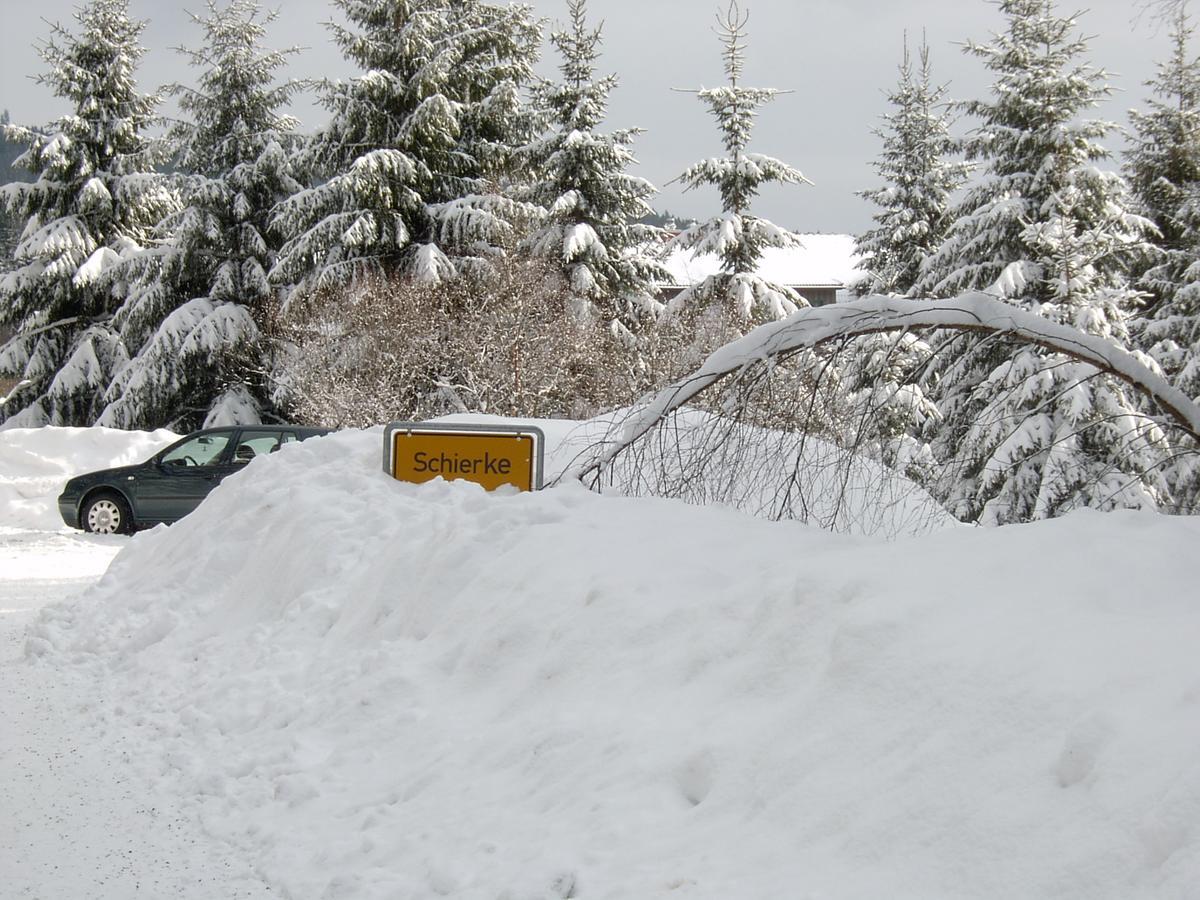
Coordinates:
[257,443]
[204,450]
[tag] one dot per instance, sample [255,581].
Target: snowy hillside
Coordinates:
[369,689]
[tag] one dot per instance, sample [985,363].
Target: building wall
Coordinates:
[818,296]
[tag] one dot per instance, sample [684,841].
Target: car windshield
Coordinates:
[204,450]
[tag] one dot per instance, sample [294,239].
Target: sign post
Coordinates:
[489,455]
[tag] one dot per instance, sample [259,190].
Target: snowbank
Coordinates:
[36,462]
[379,690]
[696,456]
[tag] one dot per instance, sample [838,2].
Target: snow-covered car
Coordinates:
[171,483]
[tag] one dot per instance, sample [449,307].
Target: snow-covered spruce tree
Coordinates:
[736,235]
[919,178]
[887,408]
[195,305]
[10,229]
[590,233]
[1171,336]
[9,238]
[884,410]
[94,197]
[1027,433]
[1054,434]
[1163,163]
[1031,143]
[410,161]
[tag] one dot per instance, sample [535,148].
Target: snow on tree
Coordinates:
[1171,337]
[1032,144]
[882,393]
[9,236]
[94,198]
[1026,434]
[9,227]
[736,235]
[1163,160]
[589,231]
[1163,163]
[1053,434]
[729,449]
[919,180]
[416,147]
[884,410]
[193,313]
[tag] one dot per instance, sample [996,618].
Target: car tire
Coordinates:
[106,514]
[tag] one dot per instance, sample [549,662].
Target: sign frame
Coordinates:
[450,429]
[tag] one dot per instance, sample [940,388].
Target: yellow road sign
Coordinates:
[417,452]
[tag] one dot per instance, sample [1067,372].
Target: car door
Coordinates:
[259,440]
[183,475]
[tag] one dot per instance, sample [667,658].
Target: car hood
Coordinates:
[102,475]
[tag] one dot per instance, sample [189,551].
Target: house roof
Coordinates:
[824,260]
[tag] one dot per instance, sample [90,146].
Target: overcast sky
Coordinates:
[838,57]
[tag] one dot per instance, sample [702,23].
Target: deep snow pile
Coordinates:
[35,462]
[379,690]
[702,458]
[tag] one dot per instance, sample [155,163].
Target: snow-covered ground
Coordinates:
[325,683]
[75,822]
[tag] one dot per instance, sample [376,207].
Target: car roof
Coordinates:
[307,430]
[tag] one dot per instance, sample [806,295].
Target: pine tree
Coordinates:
[9,234]
[1172,334]
[94,198]
[192,318]
[1172,338]
[1032,145]
[414,154]
[592,204]
[888,408]
[1053,434]
[1163,163]
[737,236]
[10,228]
[1030,434]
[885,410]
[918,180]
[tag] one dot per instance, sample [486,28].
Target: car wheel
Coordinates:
[106,514]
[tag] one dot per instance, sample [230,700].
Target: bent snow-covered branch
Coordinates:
[810,328]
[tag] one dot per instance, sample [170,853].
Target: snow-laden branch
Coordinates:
[808,328]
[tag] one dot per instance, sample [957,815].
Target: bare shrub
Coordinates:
[784,436]
[503,341]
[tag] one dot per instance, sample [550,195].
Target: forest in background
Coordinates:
[463,236]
